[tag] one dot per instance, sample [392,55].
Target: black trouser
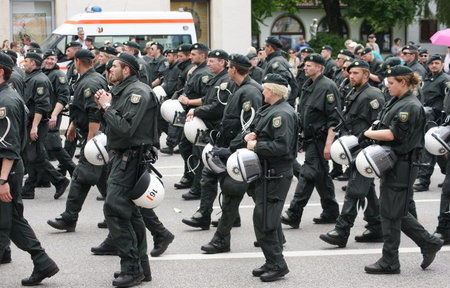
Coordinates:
[173,136]
[444,210]
[424,175]
[152,223]
[15,227]
[208,183]
[192,155]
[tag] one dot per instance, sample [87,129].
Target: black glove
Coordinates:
[364,141]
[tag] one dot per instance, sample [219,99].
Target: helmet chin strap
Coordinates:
[2,139]
[99,150]
[246,124]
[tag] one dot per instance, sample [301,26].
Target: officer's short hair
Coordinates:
[123,65]
[240,69]
[7,71]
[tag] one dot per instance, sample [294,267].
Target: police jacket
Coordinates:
[330,68]
[100,68]
[433,90]
[84,109]
[72,76]
[132,118]
[245,97]
[276,127]
[375,68]
[183,76]
[277,64]
[217,93]
[417,67]
[405,117]
[195,86]
[13,114]
[144,70]
[157,66]
[301,77]
[60,93]
[362,108]
[170,79]
[318,101]
[38,89]
[256,73]
[17,80]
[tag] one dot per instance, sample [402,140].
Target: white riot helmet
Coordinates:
[375,160]
[196,131]
[160,93]
[212,161]
[173,112]
[243,166]
[148,192]
[95,151]
[344,149]
[437,140]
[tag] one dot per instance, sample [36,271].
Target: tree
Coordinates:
[443,11]
[262,9]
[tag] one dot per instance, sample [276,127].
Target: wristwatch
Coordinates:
[106,106]
[3,181]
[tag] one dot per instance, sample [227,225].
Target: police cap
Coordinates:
[275,79]
[410,47]
[317,58]
[184,48]
[129,60]
[423,51]
[251,55]
[34,45]
[241,60]
[358,63]
[49,53]
[36,50]
[132,44]
[327,47]
[73,44]
[170,51]
[108,50]
[365,51]
[398,70]
[199,46]
[390,62]
[84,54]
[347,53]
[5,60]
[307,50]
[218,53]
[34,56]
[273,41]
[10,53]
[89,39]
[434,58]
[358,49]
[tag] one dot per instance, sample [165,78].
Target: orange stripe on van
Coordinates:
[130,21]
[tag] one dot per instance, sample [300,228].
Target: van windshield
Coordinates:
[51,42]
[168,41]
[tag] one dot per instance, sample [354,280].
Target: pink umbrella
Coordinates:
[441,37]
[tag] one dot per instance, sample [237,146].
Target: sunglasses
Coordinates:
[344,68]
[407,53]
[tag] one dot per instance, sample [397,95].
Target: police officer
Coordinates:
[133,48]
[318,116]
[38,89]
[130,112]
[194,88]
[330,66]
[277,64]
[402,129]
[410,56]
[262,63]
[246,98]
[423,58]
[389,63]
[301,77]
[59,99]
[256,73]
[375,66]
[17,80]
[12,223]
[433,91]
[158,64]
[210,109]
[105,54]
[85,119]
[361,109]
[274,140]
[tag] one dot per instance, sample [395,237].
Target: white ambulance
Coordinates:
[168,28]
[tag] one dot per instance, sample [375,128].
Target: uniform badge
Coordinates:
[62,80]
[87,92]
[40,90]
[276,122]
[166,64]
[135,98]
[374,104]
[247,106]
[275,65]
[223,85]
[2,112]
[11,85]
[141,67]
[330,98]
[403,116]
[205,79]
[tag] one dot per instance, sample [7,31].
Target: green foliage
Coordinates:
[322,39]
[443,11]
[261,9]
[382,15]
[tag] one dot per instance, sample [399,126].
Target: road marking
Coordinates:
[312,253]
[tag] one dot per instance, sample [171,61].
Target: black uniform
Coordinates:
[318,101]
[375,68]
[12,223]
[330,68]
[417,67]
[157,68]
[17,80]
[256,73]
[144,71]
[38,90]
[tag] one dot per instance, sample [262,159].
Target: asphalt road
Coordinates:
[312,263]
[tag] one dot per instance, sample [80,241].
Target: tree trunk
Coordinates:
[333,16]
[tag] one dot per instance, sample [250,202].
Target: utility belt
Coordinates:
[410,156]
[273,170]
[127,154]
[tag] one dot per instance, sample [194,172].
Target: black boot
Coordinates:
[161,247]
[61,224]
[104,249]
[198,221]
[127,280]
[334,238]
[37,276]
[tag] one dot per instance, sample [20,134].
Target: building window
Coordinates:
[200,13]
[384,38]
[289,30]
[427,28]
[32,18]
[323,27]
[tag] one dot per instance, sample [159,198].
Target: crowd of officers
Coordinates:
[251,101]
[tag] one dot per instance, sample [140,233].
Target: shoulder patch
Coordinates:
[11,85]
[448,84]
[275,65]
[276,122]
[223,86]
[135,98]
[246,106]
[330,98]
[2,112]
[403,116]
[40,90]
[205,79]
[62,79]
[87,92]
[166,63]
[375,104]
